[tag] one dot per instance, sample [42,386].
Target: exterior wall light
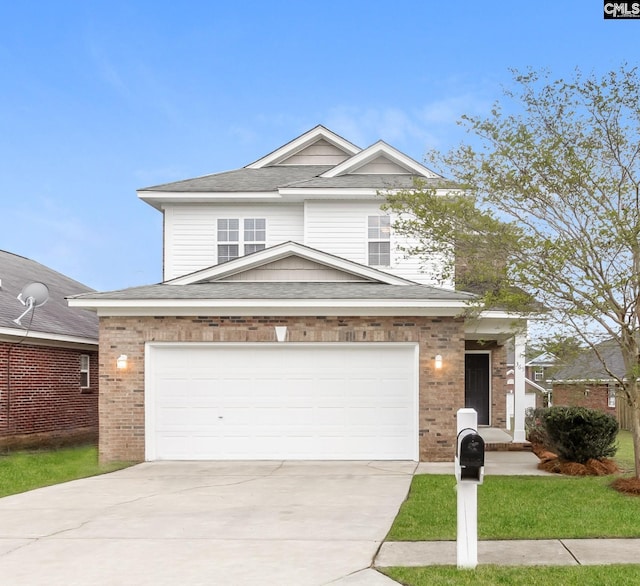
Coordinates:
[121,361]
[438,361]
[281,333]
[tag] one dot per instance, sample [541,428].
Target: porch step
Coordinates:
[500,440]
[508,447]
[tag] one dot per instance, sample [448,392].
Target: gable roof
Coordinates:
[381,150]
[304,141]
[54,320]
[211,292]
[317,163]
[285,250]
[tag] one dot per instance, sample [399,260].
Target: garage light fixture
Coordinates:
[121,361]
[438,361]
[281,333]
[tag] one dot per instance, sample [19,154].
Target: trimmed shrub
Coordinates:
[578,434]
[534,426]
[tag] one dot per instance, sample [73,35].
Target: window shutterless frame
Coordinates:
[85,365]
[379,240]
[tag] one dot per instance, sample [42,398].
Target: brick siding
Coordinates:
[441,392]
[574,395]
[41,400]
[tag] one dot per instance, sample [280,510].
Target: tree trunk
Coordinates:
[635,431]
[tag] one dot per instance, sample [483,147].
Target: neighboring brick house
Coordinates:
[49,374]
[290,324]
[585,382]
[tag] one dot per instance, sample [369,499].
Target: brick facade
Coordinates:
[41,398]
[595,396]
[441,392]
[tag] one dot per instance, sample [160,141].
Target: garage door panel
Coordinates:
[304,401]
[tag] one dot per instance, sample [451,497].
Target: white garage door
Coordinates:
[281,401]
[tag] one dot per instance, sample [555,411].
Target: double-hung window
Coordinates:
[238,237]
[379,240]
[255,234]
[611,396]
[85,362]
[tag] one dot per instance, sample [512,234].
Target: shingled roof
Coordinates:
[55,318]
[281,290]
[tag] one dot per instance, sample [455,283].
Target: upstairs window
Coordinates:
[255,234]
[234,241]
[538,375]
[379,240]
[84,371]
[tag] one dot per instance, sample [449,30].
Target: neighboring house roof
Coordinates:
[587,366]
[54,320]
[545,359]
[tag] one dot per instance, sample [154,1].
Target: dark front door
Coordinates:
[476,385]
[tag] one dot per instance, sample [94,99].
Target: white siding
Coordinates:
[293,269]
[190,232]
[340,228]
[381,166]
[320,152]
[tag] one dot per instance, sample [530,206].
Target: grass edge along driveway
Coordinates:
[21,471]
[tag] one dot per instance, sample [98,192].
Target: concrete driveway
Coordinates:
[209,523]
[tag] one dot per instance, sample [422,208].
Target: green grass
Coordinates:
[22,471]
[524,507]
[519,507]
[539,576]
[624,455]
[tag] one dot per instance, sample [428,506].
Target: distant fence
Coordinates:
[623,412]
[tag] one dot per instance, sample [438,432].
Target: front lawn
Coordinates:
[519,507]
[26,470]
[524,507]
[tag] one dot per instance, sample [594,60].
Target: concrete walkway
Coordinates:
[543,552]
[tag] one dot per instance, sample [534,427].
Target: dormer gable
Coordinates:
[380,159]
[318,146]
[290,262]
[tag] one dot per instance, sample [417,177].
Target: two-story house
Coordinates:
[291,325]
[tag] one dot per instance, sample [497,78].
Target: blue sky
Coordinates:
[99,99]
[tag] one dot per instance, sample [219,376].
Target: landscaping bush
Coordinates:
[579,434]
[534,427]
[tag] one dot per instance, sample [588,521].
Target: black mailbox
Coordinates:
[470,455]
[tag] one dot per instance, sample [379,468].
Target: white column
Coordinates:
[520,343]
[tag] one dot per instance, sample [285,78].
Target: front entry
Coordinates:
[476,385]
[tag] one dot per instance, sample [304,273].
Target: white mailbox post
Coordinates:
[469,471]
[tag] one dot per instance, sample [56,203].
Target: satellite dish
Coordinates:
[32,295]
